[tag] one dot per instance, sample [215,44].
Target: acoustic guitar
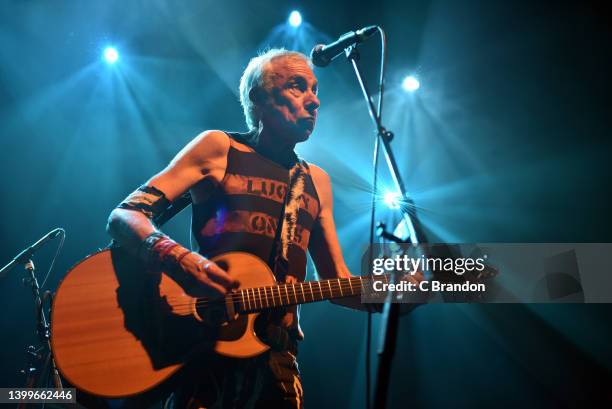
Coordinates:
[119,330]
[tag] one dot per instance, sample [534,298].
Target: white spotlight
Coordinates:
[111,55]
[410,84]
[295,18]
[393,200]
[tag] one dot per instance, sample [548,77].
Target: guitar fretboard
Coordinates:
[260,298]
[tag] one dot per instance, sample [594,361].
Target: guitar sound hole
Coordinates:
[213,313]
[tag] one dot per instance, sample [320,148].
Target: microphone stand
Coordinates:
[390,314]
[44,334]
[38,361]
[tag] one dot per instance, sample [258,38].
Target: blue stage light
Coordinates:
[410,84]
[295,18]
[111,55]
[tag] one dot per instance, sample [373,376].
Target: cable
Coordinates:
[59,248]
[381,91]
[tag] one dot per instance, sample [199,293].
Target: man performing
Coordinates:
[250,193]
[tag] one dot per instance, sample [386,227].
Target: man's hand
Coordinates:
[216,281]
[415,278]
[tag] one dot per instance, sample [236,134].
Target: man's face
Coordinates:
[291,103]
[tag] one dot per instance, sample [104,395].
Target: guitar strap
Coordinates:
[287,223]
[276,336]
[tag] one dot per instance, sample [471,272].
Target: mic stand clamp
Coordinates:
[382,232]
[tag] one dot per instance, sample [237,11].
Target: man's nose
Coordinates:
[313,103]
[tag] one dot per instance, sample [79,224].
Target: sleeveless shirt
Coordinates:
[243,212]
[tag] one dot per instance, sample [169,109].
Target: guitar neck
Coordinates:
[250,300]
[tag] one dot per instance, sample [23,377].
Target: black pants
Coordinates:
[271,380]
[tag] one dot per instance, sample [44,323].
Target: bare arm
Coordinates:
[324,246]
[204,158]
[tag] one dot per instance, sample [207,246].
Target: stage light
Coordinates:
[111,55]
[393,200]
[295,18]
[410,84]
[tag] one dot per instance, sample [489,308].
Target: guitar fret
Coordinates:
[271,296]
[280,297]
[351,285]
[261,293]
[331,292]
[268,298]
[294,293]
[261,297]
[265,296]
[340,285]
[311,293]
[243,303]
[302,291]
[287,294]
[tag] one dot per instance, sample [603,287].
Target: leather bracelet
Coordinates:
[146,251]
[163,247]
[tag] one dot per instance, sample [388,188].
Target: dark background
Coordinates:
[507,140]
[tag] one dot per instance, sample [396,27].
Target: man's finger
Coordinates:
[218,275]
[214,288]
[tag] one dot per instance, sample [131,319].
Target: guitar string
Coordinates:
[270,296]
[271,292]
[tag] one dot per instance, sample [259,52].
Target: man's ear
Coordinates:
[257,95]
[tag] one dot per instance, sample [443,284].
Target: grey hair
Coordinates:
[255,75]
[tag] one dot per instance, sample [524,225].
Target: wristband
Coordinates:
[182,256]
[160,251]
[146,252]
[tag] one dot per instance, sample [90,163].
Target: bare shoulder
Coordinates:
[204,158]
[318,174]
[322,183]
[208,145]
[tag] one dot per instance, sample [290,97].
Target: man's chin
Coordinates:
[303,133]
[303,136]
[298,133]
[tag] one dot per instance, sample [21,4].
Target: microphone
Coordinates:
[25,255]
[322,54]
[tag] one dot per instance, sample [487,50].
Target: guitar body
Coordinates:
[119,330]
